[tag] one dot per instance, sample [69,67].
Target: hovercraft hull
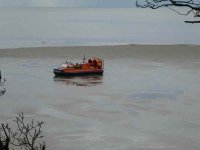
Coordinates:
[58,72]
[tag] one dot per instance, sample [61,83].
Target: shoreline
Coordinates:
[111,51]
[109,45]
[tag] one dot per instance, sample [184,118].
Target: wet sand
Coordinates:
[147,99]
[123,51]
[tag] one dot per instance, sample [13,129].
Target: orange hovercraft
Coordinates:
[93,66]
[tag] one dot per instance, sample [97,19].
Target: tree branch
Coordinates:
[27,135]
[192,22]
[155,4]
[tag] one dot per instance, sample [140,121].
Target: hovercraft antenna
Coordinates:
[84,59]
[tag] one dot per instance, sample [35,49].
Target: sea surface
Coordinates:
[43,27]
[138,104]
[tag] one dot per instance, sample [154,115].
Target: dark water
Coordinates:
[137,104]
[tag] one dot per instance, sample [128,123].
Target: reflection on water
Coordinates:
[88,81]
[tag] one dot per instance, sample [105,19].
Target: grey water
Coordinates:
[141,104]
[43,27]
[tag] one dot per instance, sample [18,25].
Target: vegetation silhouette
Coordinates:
[26,135]
[2,81]
[192,5]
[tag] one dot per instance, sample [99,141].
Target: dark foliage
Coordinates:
[192,5]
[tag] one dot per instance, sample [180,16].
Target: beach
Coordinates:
[162,52]
[147,99]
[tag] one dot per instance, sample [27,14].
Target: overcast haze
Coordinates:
[68,3]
